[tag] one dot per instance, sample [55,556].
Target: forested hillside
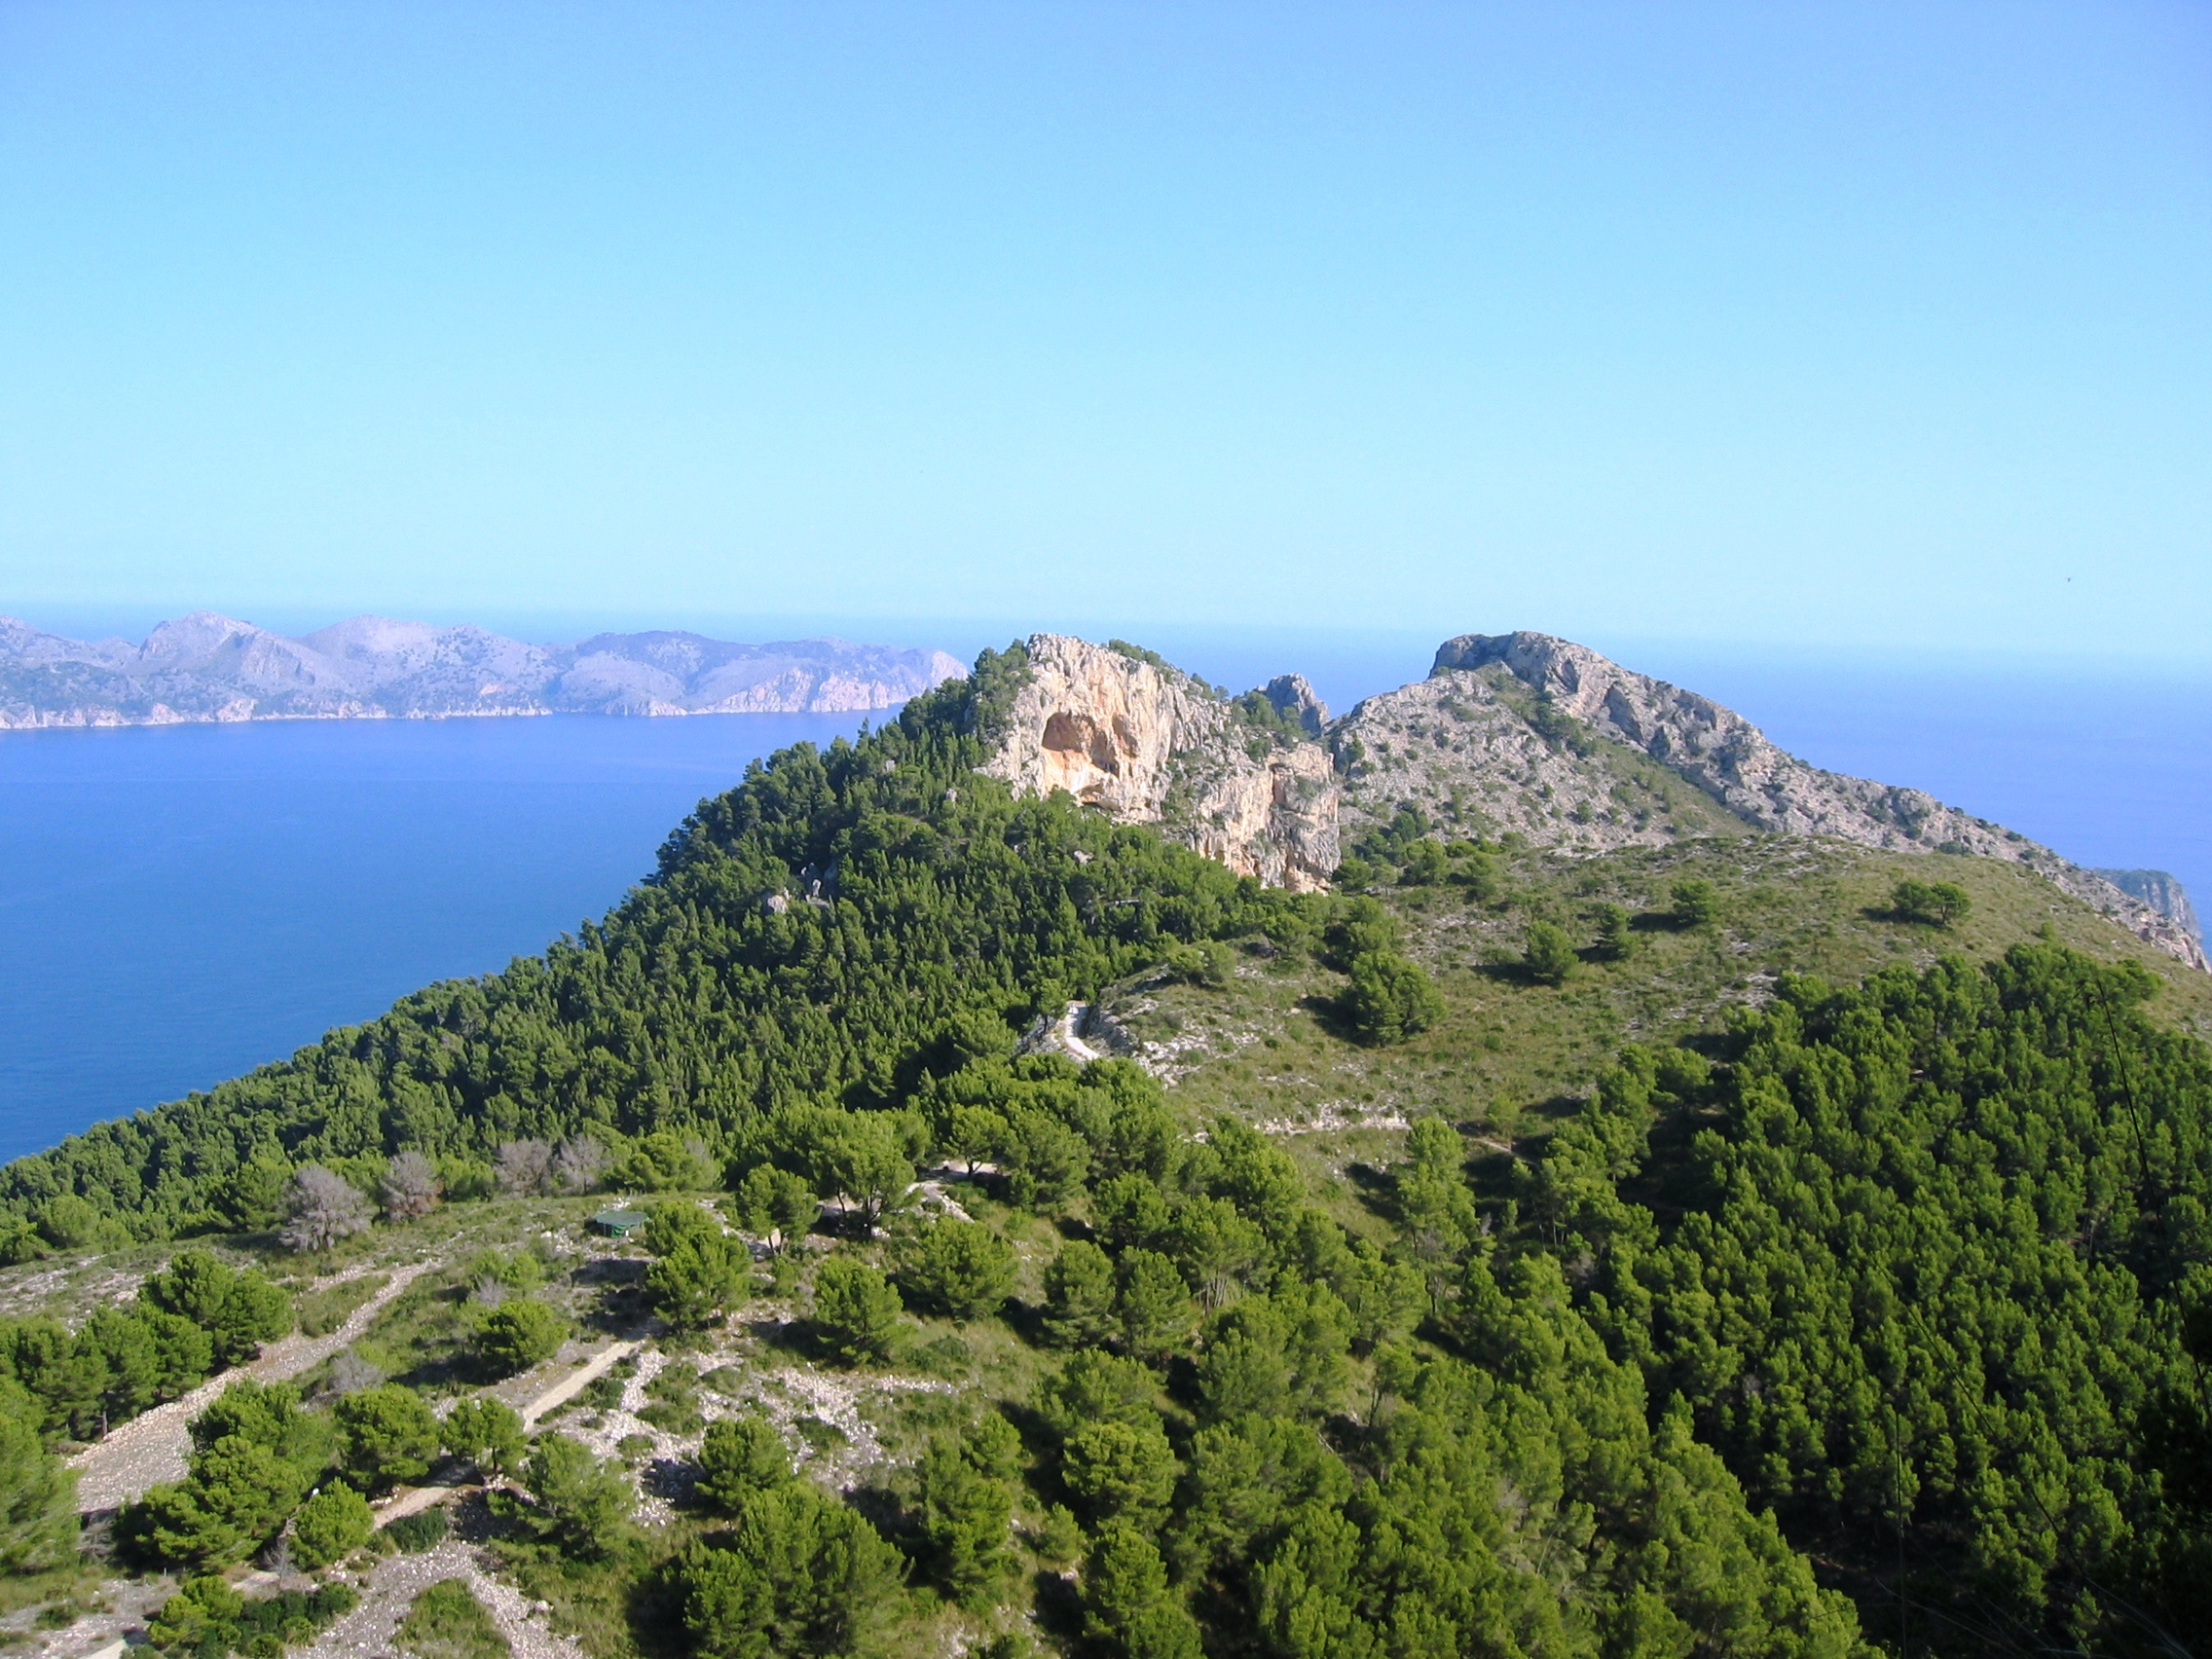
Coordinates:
[815,934]
[1929,1262]
[1874,1309]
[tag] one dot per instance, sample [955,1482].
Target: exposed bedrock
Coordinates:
[1148,743]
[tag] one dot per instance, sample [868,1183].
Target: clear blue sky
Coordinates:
[1836,325]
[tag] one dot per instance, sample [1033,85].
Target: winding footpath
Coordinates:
[369,1628]
[576,1380]
[152,1446]
[413,1500]
[394,1583]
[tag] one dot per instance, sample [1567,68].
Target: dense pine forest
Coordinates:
[1873,1315]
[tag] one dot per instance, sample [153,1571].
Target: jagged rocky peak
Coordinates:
[1483,750]
[1121,729]
[1529,733]
[1519,734]
[1715,748]
[1295,701]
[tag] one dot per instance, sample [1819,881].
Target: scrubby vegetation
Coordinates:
[1531,1256]
[697,1003]
[447,1622]
[208,1618]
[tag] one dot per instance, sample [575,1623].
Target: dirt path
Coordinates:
[151,1447]
[1062,1035]
[127,1604]
[413,1500]
[399,1579]
[932,1195]
[455,1476]
[577,1380]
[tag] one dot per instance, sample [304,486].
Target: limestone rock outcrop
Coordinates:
[2162,892]
[1294,698]
[1519,733]
[1481,755]
[1723,754]
[1147,743]
[1531,733]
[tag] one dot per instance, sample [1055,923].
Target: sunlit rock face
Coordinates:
[1147,743]
[1541,736]
[1519,734]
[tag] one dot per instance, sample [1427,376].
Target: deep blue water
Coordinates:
[177,905]
[180,905]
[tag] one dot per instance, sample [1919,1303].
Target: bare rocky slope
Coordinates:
[206,667]
[1512,733]
[2162,892]
[1122,731]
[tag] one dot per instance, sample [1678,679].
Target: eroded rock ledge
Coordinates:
[1149,744]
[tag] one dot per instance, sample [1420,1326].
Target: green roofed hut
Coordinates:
[618,1223]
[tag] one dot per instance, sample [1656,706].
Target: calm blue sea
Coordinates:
[177,905]
[180,905]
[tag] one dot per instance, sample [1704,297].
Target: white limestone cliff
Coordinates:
[1148,743]
[1735,766]
[1520,732]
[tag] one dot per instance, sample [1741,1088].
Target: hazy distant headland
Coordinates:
[206,667]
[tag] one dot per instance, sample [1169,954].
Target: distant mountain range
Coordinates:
[206,667]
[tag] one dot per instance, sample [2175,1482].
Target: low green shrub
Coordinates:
[207,1619]
[425,1530]
[447,1622]
[330,1526]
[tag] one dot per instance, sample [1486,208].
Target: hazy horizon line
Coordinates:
[963,636]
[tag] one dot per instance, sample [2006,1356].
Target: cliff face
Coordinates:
[1725,756]
[205,666]
[1481,755]
[2162,892]
[1149,744]
[1529,733]
[1511,732]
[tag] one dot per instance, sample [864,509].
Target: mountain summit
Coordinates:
[1121,730]
[1510,734]
[208,667]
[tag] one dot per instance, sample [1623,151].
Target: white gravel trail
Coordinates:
[151,1447]
[395,1582]
[575,1381]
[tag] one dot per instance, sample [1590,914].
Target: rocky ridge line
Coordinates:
[1514,732]
[1570,714]
[2162,892]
